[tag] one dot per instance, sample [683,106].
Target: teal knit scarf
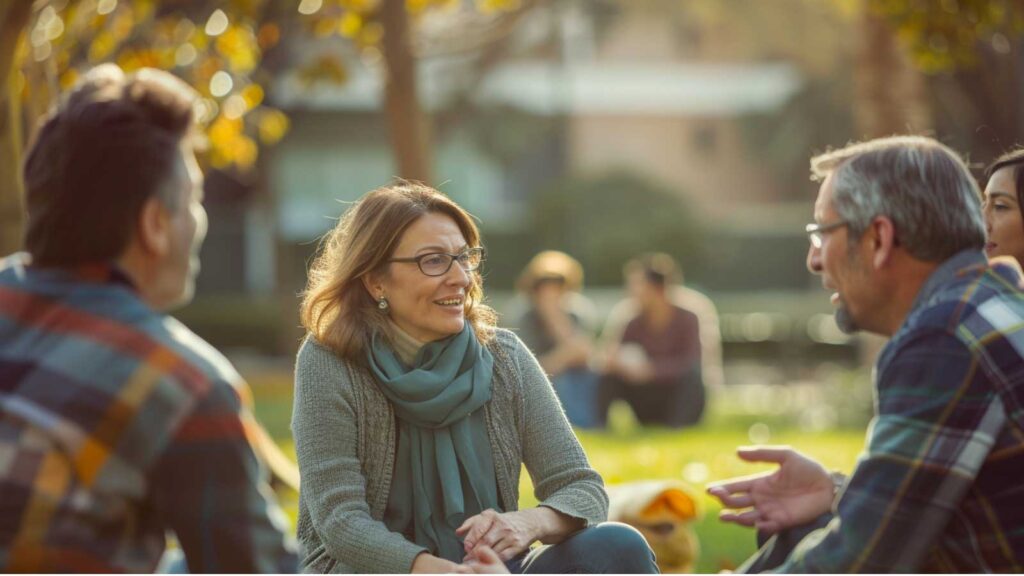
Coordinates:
[444,471]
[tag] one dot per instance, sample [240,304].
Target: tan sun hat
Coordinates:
[552,265]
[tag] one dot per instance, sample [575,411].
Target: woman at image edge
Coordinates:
[1001,206]
[413,414]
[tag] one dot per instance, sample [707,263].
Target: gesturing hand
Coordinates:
[507,534]
[797,492]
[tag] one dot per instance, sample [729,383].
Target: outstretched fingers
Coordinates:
[744,518]
[732,499]
[775,454]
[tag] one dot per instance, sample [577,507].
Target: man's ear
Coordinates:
[154,227]
[882,235]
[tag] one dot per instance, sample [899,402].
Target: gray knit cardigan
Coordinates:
[345,440]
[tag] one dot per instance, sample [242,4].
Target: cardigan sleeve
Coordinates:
[333,486]
[562,477]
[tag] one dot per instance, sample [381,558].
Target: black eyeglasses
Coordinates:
[816,232]
[438,263]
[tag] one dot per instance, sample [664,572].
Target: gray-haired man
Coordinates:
[897,237]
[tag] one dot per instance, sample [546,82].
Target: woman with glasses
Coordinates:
[1002,206]
[414,414]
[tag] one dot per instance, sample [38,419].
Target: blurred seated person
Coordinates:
[558,328]
[653,357]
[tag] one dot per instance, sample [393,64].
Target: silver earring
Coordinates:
[382,303]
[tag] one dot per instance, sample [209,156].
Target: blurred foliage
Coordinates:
[506,133]
[217,47]
[945,34]
[820,115]
[597,219]
[809,33]
[231,322]
[220,47]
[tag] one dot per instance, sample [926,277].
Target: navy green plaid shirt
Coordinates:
[117,424]
[940,488]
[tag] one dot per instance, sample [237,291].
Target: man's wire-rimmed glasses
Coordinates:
[816,232]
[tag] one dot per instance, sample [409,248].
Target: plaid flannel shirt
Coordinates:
[117,424]
[939,486]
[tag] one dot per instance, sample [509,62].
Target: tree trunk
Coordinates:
[410,137]
[14,17]
[890,94]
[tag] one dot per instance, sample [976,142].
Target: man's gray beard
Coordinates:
[845,322]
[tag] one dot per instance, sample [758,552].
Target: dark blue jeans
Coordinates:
[577,389]
[608,548]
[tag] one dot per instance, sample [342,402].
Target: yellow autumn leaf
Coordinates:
[416,6]
[253,95]
[200,40]
[68,79]
[102,46]
[273,125]
[371,34]
[350,25]
[223,131]
[490,6]
[122,24]
[360,6]
[143,9]
[238,45]
[219,156]
[245,151]
[324,27]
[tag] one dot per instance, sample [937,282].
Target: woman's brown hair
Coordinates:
[336,308]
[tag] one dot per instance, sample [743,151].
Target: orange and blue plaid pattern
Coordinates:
[116,425]
[939,488]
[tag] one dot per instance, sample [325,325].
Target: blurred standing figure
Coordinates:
[558,329]
[653,361]
[117,423]
[1003,206]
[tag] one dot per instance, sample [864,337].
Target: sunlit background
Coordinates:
[603,128]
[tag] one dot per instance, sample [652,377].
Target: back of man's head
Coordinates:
[105,149]
[921,185]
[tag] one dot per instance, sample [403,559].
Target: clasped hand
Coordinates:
[796,493]
[508,534]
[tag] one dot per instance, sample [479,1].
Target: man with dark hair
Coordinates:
[898,237]
[653,357]
[116,422]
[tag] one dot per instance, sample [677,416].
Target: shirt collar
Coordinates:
[960,263]
[90,273]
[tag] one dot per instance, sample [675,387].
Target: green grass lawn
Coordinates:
[698,455]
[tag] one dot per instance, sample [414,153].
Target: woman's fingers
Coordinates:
[476,528]
[506,549]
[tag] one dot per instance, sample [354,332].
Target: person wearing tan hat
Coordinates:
[558,329]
